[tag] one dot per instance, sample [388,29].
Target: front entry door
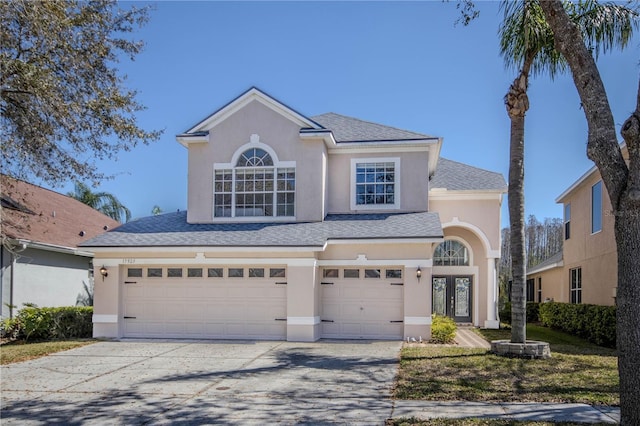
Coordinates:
[451,295]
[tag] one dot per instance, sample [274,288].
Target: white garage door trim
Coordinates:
[204,307]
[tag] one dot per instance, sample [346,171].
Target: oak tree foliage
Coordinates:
[63,102]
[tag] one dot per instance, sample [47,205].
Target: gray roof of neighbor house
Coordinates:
[349,129]
[172,229]
[548,263]
[455,176]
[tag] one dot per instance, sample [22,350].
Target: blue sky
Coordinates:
[402,64]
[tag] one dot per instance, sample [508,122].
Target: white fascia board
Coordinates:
[408,263]
[414,145]
[434,156]
[201,249]
[559,264]
[425,240]
[213,261]
[326,136]
[443,194]
[577,183]
[189,140]
[252,94]
[55,248]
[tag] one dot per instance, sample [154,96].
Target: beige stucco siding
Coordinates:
[413,181]
[594,253]
[274,130]
[482,215]
[554,284]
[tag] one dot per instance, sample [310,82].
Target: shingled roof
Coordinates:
[454,176]
[554,261]
[172,229]
[34,214]
[349,129]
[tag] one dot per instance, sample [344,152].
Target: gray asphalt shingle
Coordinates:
[172,229]
[349,129]
[455,176]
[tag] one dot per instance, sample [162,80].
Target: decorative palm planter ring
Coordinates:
[531,349]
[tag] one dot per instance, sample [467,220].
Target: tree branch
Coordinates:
[602,146]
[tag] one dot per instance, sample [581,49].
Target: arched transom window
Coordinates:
[451,253]
[254,187]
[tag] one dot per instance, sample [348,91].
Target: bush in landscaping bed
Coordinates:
[594,323]
[533,312]
[33,323]
[443,329]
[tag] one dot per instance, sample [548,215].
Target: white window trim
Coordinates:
[373,207]
[277,164]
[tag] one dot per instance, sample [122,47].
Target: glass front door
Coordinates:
[451,295]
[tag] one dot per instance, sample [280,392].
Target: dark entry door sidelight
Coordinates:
[452,296]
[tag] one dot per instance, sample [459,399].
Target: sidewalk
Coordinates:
[522,411]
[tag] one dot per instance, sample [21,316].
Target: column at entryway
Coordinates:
[492,320]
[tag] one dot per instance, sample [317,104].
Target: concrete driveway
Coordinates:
[204,382]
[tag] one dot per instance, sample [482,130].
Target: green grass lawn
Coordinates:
[578,371]
[475,422]
[23,351]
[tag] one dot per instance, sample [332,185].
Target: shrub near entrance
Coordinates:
[443,329]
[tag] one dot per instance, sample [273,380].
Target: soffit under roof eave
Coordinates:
[186,139]
[559,264]
[54,248]
[319,134]
[577,183]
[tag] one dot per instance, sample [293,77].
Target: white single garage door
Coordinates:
[362,303]
[205,303]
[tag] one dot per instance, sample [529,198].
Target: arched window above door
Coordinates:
[451,253]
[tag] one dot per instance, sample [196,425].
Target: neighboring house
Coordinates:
[41,230]
[302,228]
[586,271]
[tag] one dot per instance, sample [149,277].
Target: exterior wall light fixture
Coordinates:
[418,273]
[103,272]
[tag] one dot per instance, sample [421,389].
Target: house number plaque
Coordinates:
[128,260]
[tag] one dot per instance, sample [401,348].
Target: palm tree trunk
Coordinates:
[517,105]
[623,187]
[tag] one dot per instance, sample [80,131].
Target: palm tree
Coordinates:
[527,45]
[102,201]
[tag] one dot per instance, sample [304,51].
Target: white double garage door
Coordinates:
[251,303]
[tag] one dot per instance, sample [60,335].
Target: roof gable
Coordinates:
[34,214]
[251,95]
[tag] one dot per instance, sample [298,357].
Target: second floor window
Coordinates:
[375,183]
[596,208]
[255,187]
[567,221]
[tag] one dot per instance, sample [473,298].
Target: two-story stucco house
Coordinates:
[302,228]
[586,271]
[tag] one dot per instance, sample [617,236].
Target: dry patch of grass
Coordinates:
[19,351]
[579,373]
